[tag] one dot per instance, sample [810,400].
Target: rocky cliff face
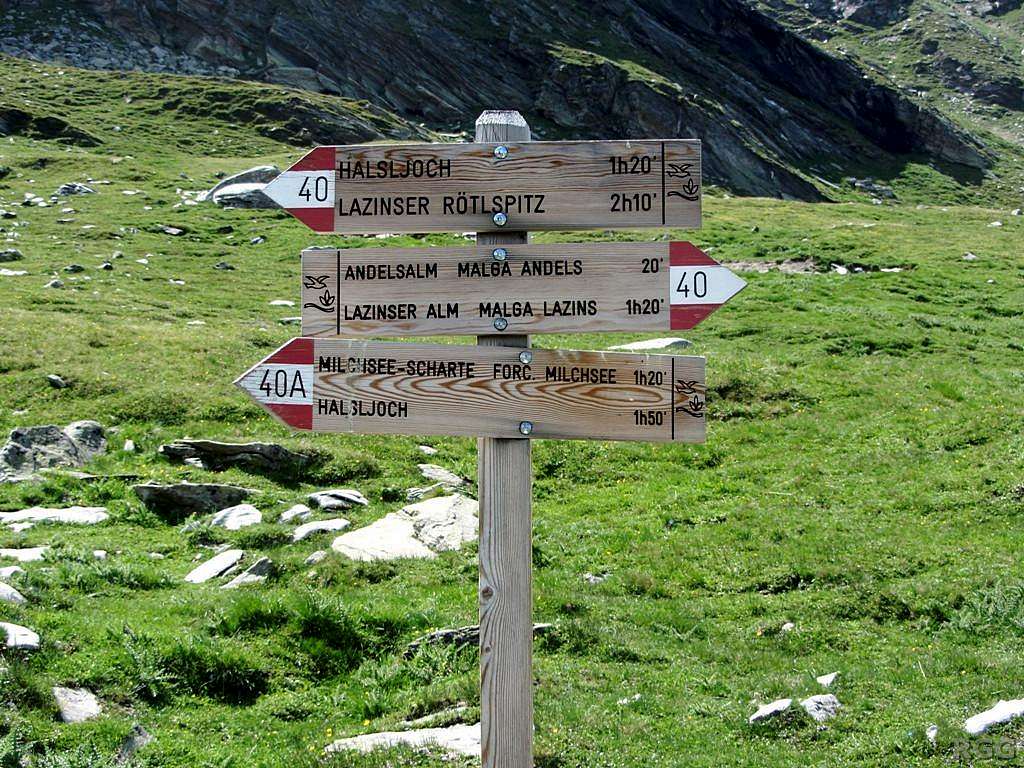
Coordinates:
[775,111]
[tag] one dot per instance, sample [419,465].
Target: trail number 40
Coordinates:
[695,281]
[319,189]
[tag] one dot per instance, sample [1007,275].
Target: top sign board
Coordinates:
[542,185]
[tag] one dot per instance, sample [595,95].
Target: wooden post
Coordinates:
[505,478]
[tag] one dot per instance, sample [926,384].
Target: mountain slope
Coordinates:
[762,97]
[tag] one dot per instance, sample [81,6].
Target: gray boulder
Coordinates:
[136,739]
[177,501]
[460,637]
[76,705]
[74,188]
[9,594]
[457,739]
[244,190]
[19,638]
[256,573]
[337,498]
[306,530]
[216,566]
[822,707]
[10,254]
[441,475]
[263,457]
[73,515]
[31,449]
[237,517]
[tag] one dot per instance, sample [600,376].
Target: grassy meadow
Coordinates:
[863,479]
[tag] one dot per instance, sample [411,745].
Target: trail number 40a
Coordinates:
[280,383]
[319,191]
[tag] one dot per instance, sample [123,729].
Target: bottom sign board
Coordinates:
[371,387]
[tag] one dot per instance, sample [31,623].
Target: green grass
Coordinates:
[862,479]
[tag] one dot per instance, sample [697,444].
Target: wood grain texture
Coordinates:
[557,185]
[539,288]
[505,482]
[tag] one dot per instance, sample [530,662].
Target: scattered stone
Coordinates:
[428,450]
[768,711]
[73,515]
[224,266]
[213,455]
[12,272]
[337,498]
[55,283]
[839,269]
[9,572]
[970,256]
[31,449]
[9,594]
[10,254]
[454,714]
[243,190]
[629,700]
[216,566]
[416,531]
[296,512]
[172,231]
[137,738]
[1015,212]
[20,638]
[256,573]
[932,733]
[74,269]
[129,446]
[594,579]
[179,500]
[306,530]
[76,705]
[822,707]
[8,214]
[789,626]
[282,303]
[456,739]
[319,556]
[295,320]
[460,637]
[99,554]
[56,381]
[74,188]
[1002,712]
[643,346]
[19,527]
[427,492]
[106,266]
[995,224]
[237,517]
[24,555]
[871,187]
[258,240]
[827,680]
[441,475]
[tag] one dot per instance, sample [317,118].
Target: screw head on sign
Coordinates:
[499,219]
[500,323]
[499,254]
[526,356]
[525,427]
[501,151]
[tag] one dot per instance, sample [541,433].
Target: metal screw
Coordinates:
[500,323]
[526,356]
[499,254]
[499,219]
[501,151]
[487,592]
[525,427]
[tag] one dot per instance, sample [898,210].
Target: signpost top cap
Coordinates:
[501,117]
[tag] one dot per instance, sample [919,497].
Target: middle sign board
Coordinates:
[517,289]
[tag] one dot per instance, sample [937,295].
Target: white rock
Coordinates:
[282,303]
[76,705]
[337,498]
[237,517]
[319,526]
[129,446]
[4,272]
[319,556]
[643,346]
[8,573]
[840,269]
[20,637]
[215,566]
[441,475]
[827,680]
[9,594]
[255,574]
[297,512]
[456,739]
[932,733]
[789,626]
[629,700]
[75,515]
[25,555]
[822,707]
[970,256]
[19,527]
[416,531]
[428,450]
[1002,712]
[99,554]
[767,711]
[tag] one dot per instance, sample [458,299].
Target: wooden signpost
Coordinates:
[500,390]
[382,388]
[551,288]
[497,182]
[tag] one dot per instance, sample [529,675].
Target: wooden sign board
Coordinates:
[542,185]
[345,386]
[514,289]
